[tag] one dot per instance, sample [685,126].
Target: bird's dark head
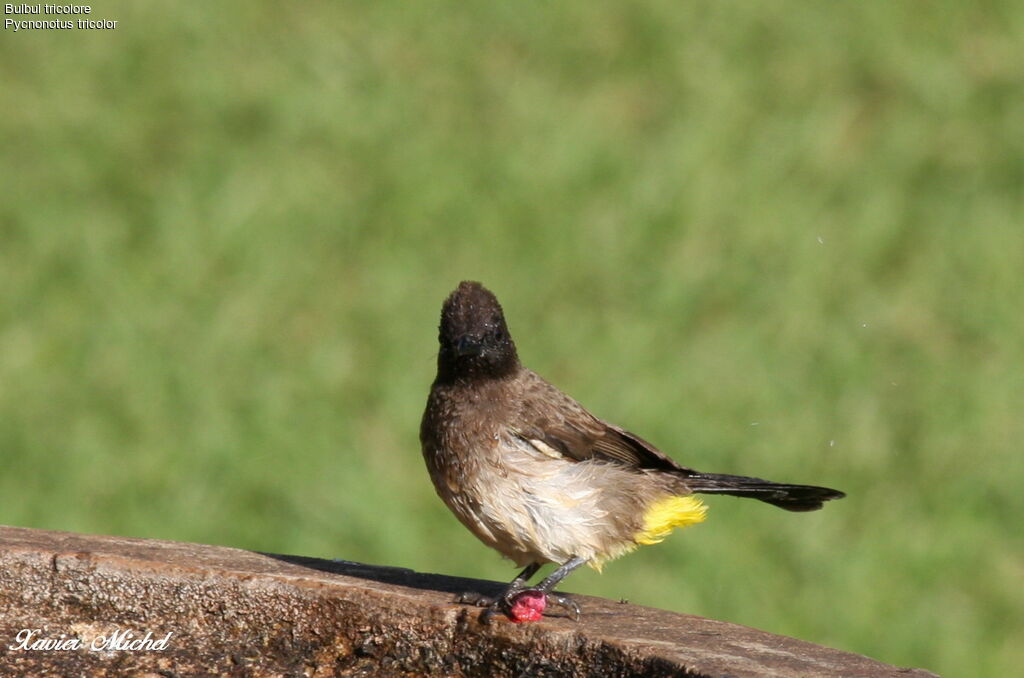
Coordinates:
[475,343]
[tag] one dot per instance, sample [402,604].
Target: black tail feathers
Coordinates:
[789,497]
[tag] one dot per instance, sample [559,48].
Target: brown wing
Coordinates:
[555,419]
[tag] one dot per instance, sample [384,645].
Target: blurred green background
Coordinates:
[778,239]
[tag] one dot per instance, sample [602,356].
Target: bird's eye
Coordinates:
[499,335]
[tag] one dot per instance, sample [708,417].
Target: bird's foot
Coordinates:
[520,604]
[472,598]
[566,603]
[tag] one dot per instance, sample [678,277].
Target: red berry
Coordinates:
[528,606]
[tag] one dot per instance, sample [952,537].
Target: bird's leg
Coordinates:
[547,585]
[510,592]
[506,601]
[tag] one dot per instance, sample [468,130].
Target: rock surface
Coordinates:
[234,612]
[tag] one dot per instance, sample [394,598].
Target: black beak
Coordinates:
[468,346]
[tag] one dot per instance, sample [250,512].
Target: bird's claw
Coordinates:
[478,599]
[506,604]
[566,603]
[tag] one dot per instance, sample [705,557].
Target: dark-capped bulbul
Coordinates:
[540,479]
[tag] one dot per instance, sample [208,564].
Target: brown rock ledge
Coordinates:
[234,612]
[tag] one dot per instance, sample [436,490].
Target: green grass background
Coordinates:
[782,239]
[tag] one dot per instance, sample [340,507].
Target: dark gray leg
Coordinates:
[504,601]
[525,575]
[549,582]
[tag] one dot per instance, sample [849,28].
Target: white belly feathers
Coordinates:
[538,506]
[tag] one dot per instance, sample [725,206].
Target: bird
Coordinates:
[537,477]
